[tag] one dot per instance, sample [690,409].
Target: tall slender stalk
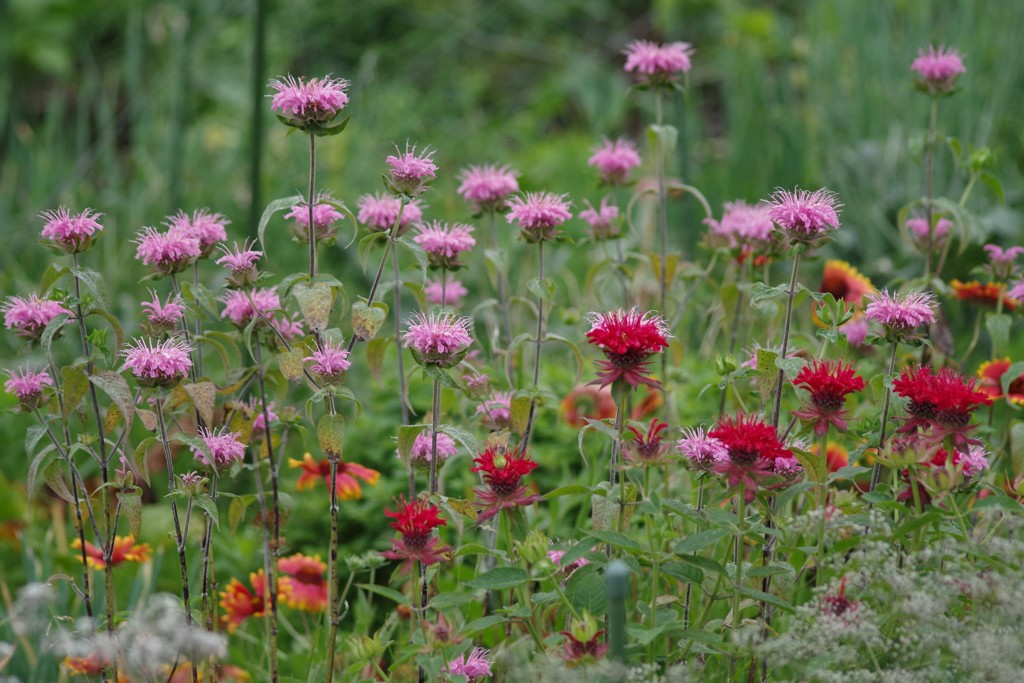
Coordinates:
[822,506]
[780,379]
[539,341]
[207,605]
[180,534]
[312,188]
[741,525]
[403,388]
[435,411]
[332,577]
[661,161]
[876,470]
[506,315]
[616,455]
[929,153]
[392,234]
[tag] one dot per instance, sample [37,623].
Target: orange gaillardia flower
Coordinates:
[125,550]
[228,674]
[987,293]
[240,603]
[991,374]
[845,283]
[348,473]
[302,582]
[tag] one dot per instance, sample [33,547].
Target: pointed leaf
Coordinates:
[114,385]
[75,385]
[272,208]
[330,431]
[131,504]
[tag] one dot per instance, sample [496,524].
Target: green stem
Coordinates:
[780,379]
[539,342]
[822,506]
[741,518]
[876,471]
[929,147]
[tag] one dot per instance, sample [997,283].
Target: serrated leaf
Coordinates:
[114,385]
[697,542]
[209,506]
[439,374]
[272,208]
[759,292]
[316,301]
[586,592]
[500,578]
[50,331]
[811,463]
[204,398]
[790,366]
[687,573]
[131,504]
[115,325]
[93,283]
[462,436]
[330,432]
[75,385]
[194,442]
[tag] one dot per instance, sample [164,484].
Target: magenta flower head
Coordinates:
[487,187]
[162,317]
[209,228]
[1017,291]
[421,452]
[603,221]
[918,228]
[241,263]
[1002,260]
[474,666]
[747,229]
[166,252]
[658,65]
[28,386]
[378,212]
[411,173]
[937,69]
[243,306]
[702,452]
[310,105]
[441,339]
[901,315]
[628,339]
[29,317]
[450,293]
[614,160]
[804,216]
[225,448]
[325,220]
[71,233]
[444,243]
[159,364]
[330,362]
[496,412]
[538,215]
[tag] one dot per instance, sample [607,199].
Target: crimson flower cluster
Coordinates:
[940,404]
[755,453]
[415,522]
[503,471]
[628,339]
[829,383]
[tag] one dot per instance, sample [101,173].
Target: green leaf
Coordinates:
[699,541]
[114,385]
[272,208]
[811,463]
[194,442]
[990,179]
[572,347]
[759,292]
[51,330]
[364,247]
[790,366]
[131,503]
[586,592]
[236,513]
[291,364]
[768,599]
[75,384]
[114,325]
[454,599]
[616,539]
[542,289]
[330,431]
[520,409]
[367,320]
[52,273]
[482,624]
[375,350]
[389,593]
[415,249]
[663,136]
[917,522]
[209,506]
[330,131]
[462,436]
[439,374]
[686,573]
[93,283]
[53,475]
[998,327]
[316,301]
[500,578]
[568,490]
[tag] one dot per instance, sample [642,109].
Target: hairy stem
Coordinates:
[876,471]
[311,230]
[435,411]
[780,379]
[392,234]
[539,341]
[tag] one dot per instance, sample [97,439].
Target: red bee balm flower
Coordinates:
[649,448]
[416,522]
[503,471]
[943,402]
[628,340]
[829,383]
[755,452]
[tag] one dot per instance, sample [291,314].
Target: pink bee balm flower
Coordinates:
[804,215]
[918,228]
[309,104]
[628,339]
[28,385]
[378,212]
[209,228]
[975,461]
[703,452]
[241,307]
[938,69]
[259,424]
[556,558]
[744,226]
[1002,260]
[901,315]
[1017,291]
[225,448]
[487,187]
[163,317]
[439,338]
[166,252]
[443,243]
[241,262]
[72,233]
[420,454]
[656,64]
[496,411]
[538,214]
[159,364]
[29,317]
[451,294]
[329,363]
[473,666]
[325,218]
[614,160]
[411,172]
[603,220]
[855,331]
